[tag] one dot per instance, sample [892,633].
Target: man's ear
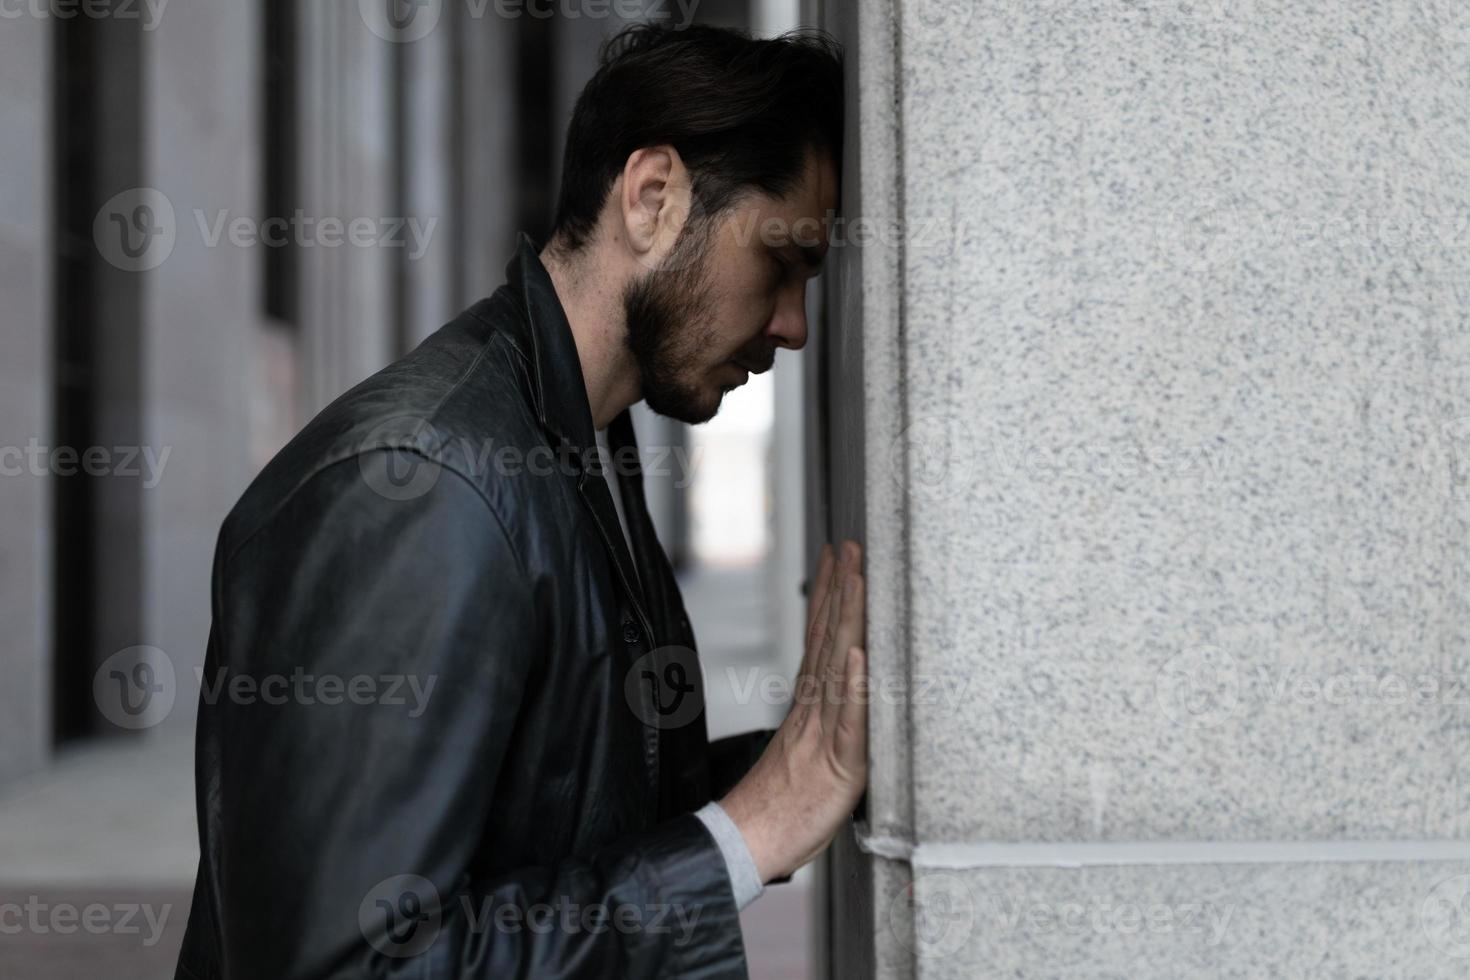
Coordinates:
[654,202]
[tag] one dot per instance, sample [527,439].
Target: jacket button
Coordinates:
[631,633]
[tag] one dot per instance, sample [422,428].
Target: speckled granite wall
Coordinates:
[1165,368]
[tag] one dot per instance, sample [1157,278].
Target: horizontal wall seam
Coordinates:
[1080,854]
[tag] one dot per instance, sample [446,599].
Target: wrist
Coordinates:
[745,882]
[757,839]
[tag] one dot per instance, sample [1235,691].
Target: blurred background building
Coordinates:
[155,314]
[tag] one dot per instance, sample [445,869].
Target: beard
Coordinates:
[667,313]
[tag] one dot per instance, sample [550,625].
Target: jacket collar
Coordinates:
[559,397]
[558,389]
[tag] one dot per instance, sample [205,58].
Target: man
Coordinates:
[547,802]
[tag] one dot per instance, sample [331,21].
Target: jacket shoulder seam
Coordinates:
[357,451]
[496,516]
[446,467]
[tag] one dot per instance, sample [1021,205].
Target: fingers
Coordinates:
[818,594]
[846,632]
[832,617]
[825,616]
[808,685]
[847,566]
[851,748]
[818,610]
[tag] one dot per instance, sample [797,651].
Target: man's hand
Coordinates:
[806,783]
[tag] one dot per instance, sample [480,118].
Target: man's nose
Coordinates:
[788,324]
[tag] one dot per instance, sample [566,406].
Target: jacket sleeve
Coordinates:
[348,824]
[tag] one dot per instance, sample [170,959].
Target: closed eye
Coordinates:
[778,266]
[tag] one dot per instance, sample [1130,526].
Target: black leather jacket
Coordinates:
[441,732]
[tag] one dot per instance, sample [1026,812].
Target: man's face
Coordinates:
[731,291]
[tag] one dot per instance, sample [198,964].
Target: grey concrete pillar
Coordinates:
[1153,369]
[425,160]
[486,161]
[349,317]
[25,395]
[201,307]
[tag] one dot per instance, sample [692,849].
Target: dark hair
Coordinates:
[741,112]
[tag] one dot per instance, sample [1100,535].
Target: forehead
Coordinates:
[815,193]
[804,211]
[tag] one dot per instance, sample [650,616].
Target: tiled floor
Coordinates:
[74,932]
[116,811]
[98,852]
[97,860]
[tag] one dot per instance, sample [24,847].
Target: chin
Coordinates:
[709,408]
[690,406]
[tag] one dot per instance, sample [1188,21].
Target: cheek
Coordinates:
[735,316]
[757,304]
[753,279]
[740,329]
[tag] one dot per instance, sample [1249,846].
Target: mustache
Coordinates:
[757,361]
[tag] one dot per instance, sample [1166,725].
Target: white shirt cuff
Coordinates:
[745,880]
